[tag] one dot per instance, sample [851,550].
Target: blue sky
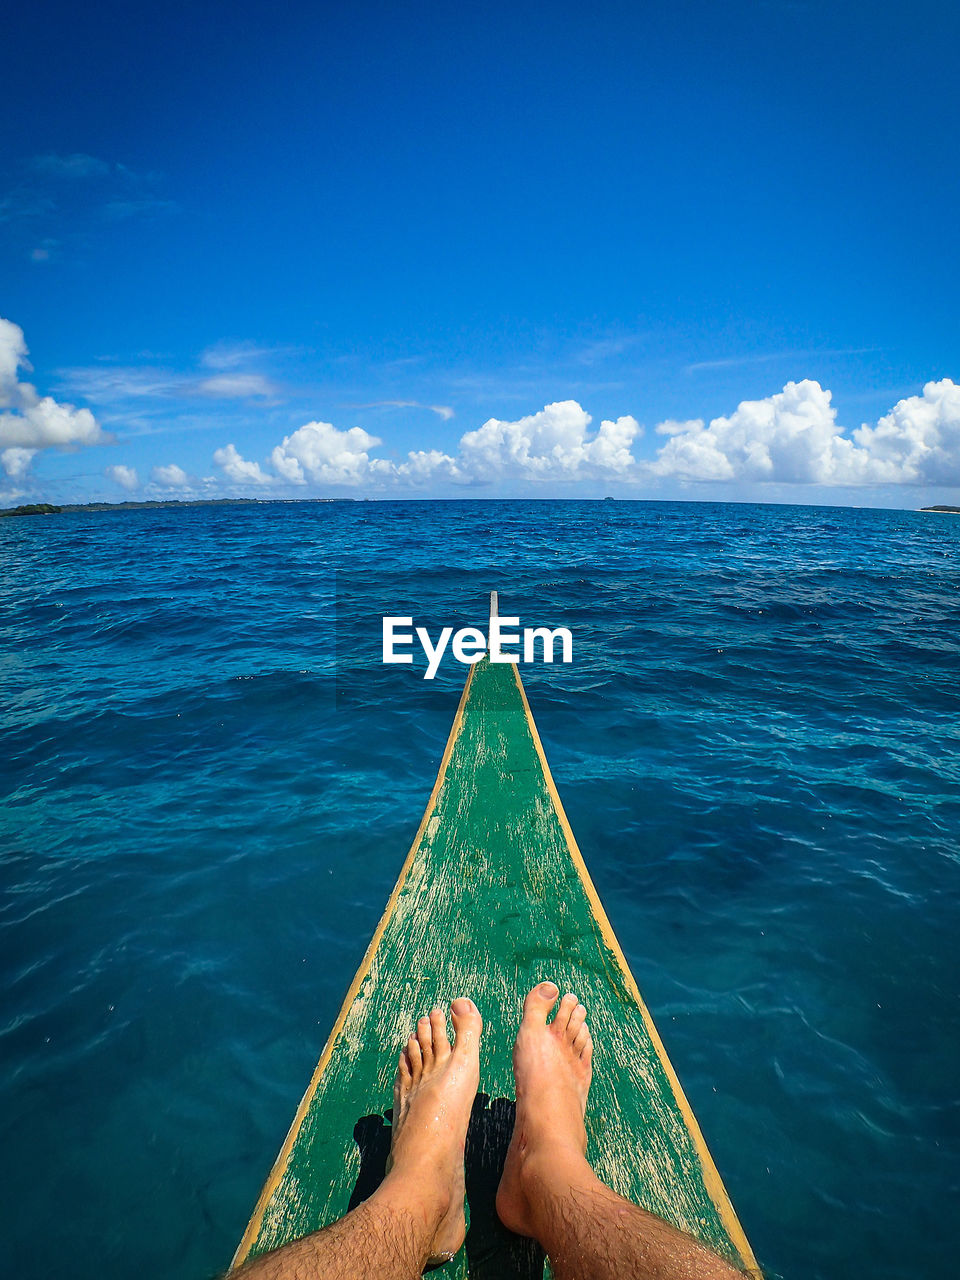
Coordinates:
[655,250]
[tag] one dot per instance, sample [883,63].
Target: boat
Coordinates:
[493,897]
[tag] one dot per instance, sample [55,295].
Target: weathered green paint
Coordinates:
[493,898]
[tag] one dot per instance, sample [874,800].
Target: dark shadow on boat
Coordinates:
[493,1252]
[372,1136]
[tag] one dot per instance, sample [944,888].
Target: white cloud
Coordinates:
[125,477]
[318,453]
[15,462]
[605,348]
[428,464]
[918,441]
[238,469]
[42,423]
[32,422]
[230,355]
[109,384]
[114,384]
[789,438]
[554,444]
[443,411]
[227,386]
[671,427]
[793,438]
[170,476]
[768,357]
[550,445]
[13,353]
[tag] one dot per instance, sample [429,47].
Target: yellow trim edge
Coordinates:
[280,1164]
[711,1177]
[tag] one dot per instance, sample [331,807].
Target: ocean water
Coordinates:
[210,782]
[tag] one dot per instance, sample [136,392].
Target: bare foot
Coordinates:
[553,1066]
[432,1097]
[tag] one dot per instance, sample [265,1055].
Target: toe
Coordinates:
[399,1089]
[403,1071]
[425,1037]
[438,1029]
[562,1019]
[539,1002]
[578,1018]
[467,1024]
[586,1055]
[415,1058]
[581,1040]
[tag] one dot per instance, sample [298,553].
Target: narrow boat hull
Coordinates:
[493,897]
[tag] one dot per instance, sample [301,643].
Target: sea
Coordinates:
[210,780]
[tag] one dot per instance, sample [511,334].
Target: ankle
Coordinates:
[415,1194]
[549,1173]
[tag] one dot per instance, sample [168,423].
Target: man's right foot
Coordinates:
[553,1066]
[432,1097]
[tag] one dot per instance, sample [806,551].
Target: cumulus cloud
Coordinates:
[237,468]
[918,442]
[13,354]
[793,437]
[427,464]
[170,476]
[30,422]
[16,461]
[125,477]
[318,453]
[553,444]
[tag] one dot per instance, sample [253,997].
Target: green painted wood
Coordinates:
[491,901]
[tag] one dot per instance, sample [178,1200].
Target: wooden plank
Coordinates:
[493,897]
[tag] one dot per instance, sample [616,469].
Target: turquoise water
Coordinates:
[210,782]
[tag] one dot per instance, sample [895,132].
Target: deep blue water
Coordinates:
[210,783]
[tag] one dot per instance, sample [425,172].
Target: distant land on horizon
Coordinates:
[52,509]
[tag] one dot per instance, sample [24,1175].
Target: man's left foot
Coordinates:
[432,1098]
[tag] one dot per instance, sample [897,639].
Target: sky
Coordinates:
[650,250]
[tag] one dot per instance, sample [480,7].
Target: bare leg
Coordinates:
[548,1190]
[416,1214]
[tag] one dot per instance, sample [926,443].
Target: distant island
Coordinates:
[32,509]
[48,509]
[955,511]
